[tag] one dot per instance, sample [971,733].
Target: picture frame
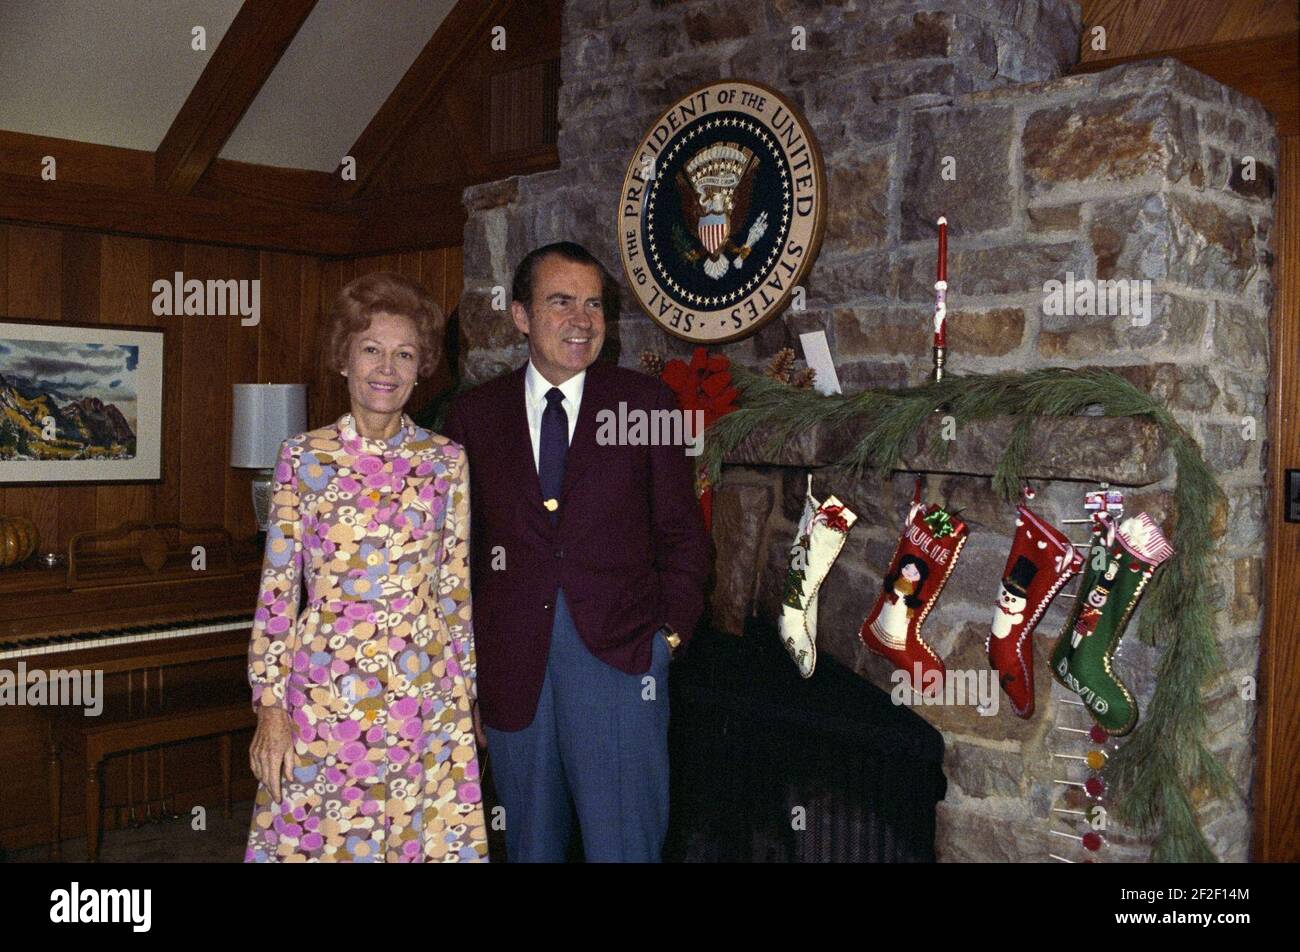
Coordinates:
[80,402]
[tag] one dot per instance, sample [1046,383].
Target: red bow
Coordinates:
[703,384]
[834,519]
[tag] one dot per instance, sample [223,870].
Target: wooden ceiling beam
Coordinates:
[267,183]
[74,161]
[225,219]
[262,30]
[428,75]
[109,189]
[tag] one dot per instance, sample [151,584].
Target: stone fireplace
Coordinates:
[1148,171]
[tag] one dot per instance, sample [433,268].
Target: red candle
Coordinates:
[943,249]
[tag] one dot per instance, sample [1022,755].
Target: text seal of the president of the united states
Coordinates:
[721,211]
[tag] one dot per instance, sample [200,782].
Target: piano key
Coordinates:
[136,635]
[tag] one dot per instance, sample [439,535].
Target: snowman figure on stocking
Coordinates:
[1013,597]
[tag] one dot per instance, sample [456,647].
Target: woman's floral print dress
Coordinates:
[362,634]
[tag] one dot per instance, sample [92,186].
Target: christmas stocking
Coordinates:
[817,544]
[924,558]
[1119,567]
[1041,561]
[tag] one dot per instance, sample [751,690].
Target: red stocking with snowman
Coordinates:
[1041,561]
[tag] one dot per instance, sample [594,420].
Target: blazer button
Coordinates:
[547,606]
[559,553]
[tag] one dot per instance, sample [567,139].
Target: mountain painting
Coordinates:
[71,400]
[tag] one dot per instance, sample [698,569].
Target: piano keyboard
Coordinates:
[58,644]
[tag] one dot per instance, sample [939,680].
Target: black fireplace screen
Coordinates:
[767,767]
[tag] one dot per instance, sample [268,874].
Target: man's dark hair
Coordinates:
[521,288]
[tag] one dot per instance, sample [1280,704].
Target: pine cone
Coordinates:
[803,379]
[652,363]
[781,365]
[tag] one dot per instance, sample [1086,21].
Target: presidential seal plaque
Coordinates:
[721,212]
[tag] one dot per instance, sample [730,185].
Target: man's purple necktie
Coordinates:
[553,445]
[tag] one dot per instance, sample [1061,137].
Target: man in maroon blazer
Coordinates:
[589,559]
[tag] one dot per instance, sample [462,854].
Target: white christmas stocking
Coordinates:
[818,541]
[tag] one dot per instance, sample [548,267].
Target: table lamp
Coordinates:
[263,416]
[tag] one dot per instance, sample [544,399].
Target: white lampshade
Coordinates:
[263,416]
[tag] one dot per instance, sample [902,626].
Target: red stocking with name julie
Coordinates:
[922,561]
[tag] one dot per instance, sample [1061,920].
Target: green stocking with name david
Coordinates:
[1120,564]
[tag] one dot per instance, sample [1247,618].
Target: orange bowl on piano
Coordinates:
[17,540]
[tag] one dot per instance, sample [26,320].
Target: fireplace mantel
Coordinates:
[1123,451]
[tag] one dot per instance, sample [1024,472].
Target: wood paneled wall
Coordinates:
[1145,27]
[450,140]
[65,275]
[1277,792]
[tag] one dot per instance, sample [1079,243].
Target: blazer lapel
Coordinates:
[582,448]
[518,443]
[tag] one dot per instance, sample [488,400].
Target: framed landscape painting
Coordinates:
[80,402]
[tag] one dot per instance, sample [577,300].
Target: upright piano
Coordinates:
[164,612]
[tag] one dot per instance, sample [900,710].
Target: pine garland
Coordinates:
[1153,773]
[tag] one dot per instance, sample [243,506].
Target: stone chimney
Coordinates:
[1148,171]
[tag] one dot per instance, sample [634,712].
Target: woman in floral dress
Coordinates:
[362,652]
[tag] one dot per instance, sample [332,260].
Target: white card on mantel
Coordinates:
[817,354]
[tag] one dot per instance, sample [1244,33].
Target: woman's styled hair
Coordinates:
[914,600]
[382,292]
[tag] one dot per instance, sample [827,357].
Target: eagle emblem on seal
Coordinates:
[715,186]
